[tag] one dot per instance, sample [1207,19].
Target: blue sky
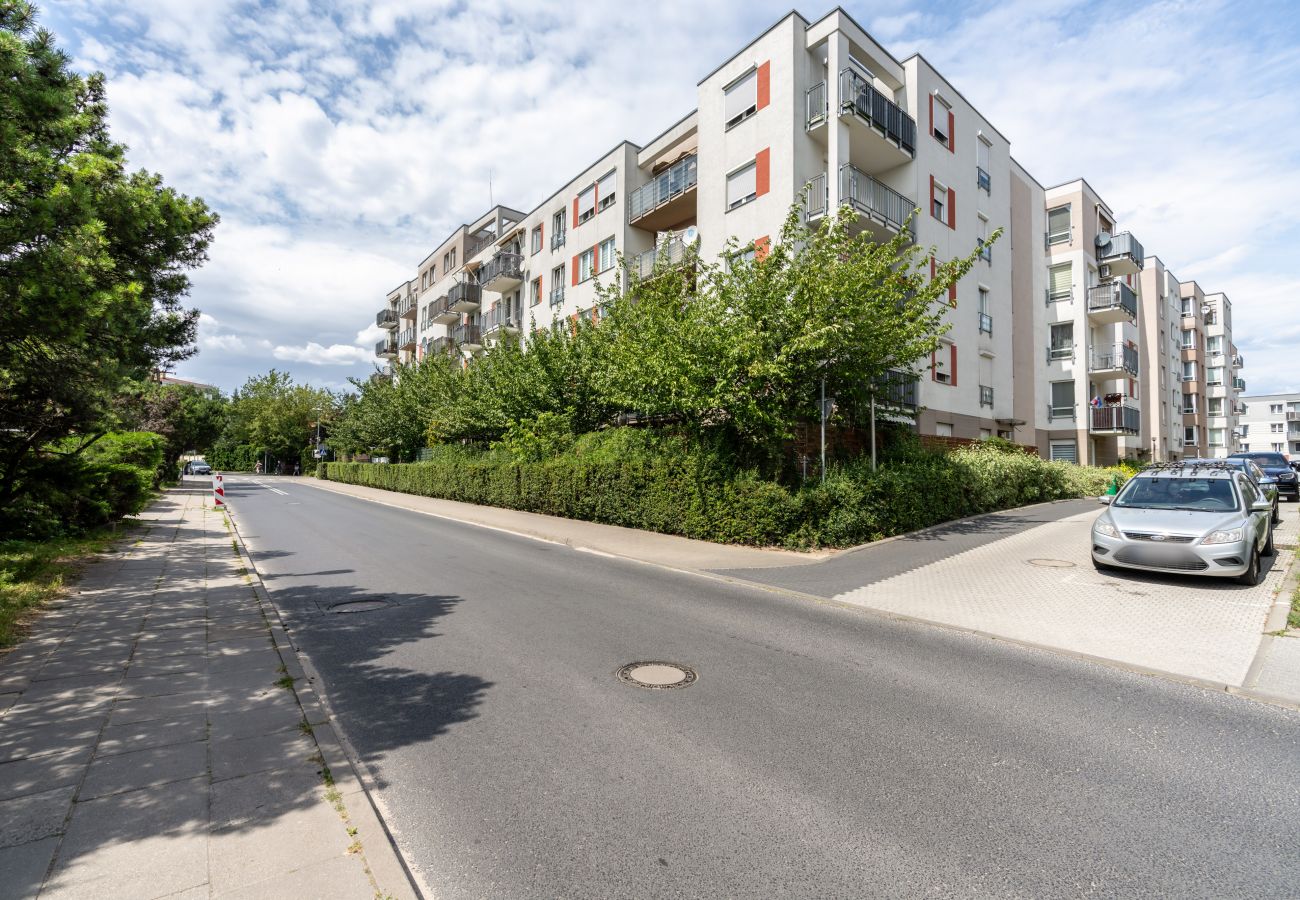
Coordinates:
[340,140]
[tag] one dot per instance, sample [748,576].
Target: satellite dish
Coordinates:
[1205,310]
[691,235]
[1103,238]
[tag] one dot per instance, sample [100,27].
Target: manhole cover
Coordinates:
[1052,563]
[356,606]
[657,675]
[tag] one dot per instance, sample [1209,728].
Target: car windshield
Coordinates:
[1199,494]
[1268,459]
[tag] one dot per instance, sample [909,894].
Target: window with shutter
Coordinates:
[1062,400]
[586,204]
[606,190]
[1064,451]
[1058,225]
[742,186]
[740,100]
[1060,283]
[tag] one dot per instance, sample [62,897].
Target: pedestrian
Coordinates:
[297,468]
[257,469]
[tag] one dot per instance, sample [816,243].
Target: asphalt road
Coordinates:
[823,752]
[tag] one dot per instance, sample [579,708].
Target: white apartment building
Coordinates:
[821,108]
[1270,423]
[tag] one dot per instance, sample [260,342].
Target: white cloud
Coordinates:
[316,355]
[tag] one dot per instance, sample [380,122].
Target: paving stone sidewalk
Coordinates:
[152,745]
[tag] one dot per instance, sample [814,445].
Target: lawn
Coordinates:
[33,573]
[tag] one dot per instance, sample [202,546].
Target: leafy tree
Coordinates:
[190,419]
[92,258]
[276,415]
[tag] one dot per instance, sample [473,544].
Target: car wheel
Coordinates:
[1269,549]
[1277,515]
[1251,575]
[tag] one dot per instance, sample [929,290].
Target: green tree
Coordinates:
[189,418]
[93,259]
[277,416]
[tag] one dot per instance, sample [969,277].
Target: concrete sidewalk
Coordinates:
[157,738]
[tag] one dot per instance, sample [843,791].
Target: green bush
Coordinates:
[142,450]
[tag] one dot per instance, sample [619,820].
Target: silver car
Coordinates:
[1186,519]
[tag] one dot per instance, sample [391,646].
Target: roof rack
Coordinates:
[1194,466]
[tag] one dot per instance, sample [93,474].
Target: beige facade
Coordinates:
[1050,342]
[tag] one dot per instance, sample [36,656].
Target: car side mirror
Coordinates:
[1105,499]
[1262,506]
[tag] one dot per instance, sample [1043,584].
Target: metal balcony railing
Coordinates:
[406,338]
[1112,295]
[817,199]
[869,196]
[816,108]
[896,388]
[461,294]
[440,346]
[1122,245]
[1070,412]
[386,348]
[557,296]
[986,324]
[466,334]
[982,180]
[985,251]
[1238,362]
[1120,356]
[986,395]
[1124,417]
[406,303]
[387,318]
[557,240]
[668,254]
[503,266]
[497,319]
[1062,352]
[859,97]
[674,181]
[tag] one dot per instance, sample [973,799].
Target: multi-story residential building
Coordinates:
[1223,384]
[1270,423]
[821,111]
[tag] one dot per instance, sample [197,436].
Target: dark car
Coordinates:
[1275,464]
[1267,484]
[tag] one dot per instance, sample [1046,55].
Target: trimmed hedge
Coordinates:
[630,478]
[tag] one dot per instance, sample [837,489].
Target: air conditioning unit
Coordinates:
[1104,271]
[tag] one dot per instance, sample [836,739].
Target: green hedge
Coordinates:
[234,457]
[637,481]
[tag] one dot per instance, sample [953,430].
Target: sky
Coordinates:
[341,140]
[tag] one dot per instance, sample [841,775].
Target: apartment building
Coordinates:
[820,110]
[1160,318]
[1270,423]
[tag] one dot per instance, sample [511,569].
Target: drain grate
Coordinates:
[1052,563]
[657,676]
[356,606]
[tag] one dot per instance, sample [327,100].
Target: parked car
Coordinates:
[1190,519]
[1275,464]
[199,467]
[1265,482]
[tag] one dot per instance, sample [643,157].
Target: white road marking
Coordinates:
[269,488]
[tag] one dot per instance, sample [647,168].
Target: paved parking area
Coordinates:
[1039,586]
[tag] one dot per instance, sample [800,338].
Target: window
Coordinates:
[1245,430]
[1187,307]
[586,207]
[1214,345]
[1275,427]
[1063,451]
[939,201]
[1214,375]
[749,254]
[1215,406]
[1277,448]
[1275,409]
[1061,341]
[941,121]
[740,99]
[606,255]
[1060,283]
[1189,436]
[742,185]
[1189,404]
[985,249]
[535,240]
[586,264]
[986,318]
[943,429]
[943,364]
[606,190]
[982,165]
[557,229]
[1189,370]
[453,260]
[1189,339]
[557,285]
[446,262]
[1062,401]
[1058,225]
[535,291]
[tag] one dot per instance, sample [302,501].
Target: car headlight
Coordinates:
[1223,537]
[1105,528]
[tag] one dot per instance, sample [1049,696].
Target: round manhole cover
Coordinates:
[1052,563]
[657,675]
[356,606]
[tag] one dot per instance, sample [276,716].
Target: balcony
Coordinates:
[387,319]
[441,313]
[557,297]
[667,199]
[407,306]
[440,347]
[667,255]
[816,110]
[386,349]
[817,199]
[1292,416]
[464,297]
[557,240]
[1238,362]
[986,396]
[1122,253]
[1112,302]
[884,207]
[406,340]
[896,389]
[1119,361]
[1124,418]
[1239,384]
[497,322]
[504,272]
[895,129]
[466,336]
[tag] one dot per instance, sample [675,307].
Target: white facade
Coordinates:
[1270,423]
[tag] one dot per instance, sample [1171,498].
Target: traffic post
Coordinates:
[218,491]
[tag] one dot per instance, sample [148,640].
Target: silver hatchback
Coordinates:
[1194,519]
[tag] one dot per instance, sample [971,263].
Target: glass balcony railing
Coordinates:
[674,181]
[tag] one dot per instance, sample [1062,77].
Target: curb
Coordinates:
[339,758]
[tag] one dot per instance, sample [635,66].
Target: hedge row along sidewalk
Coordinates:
[634,480]
[157,737]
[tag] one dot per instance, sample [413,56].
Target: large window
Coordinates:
[1189,404]
[557,229]
[1058,225]
[1062,400]
[942,125]
[1062,341]
[982,179]
[740,99]
[1189,435]
[586,204]
[586,264]
[742,185]
[1214,345]
[1189,339]
[535,240]
[1216,437]
[1214,375]
[1215,406]
[606,254]
[535,291]
[939,200]
[1064,451]
[1060,283]
[606,189]
[1189,370]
